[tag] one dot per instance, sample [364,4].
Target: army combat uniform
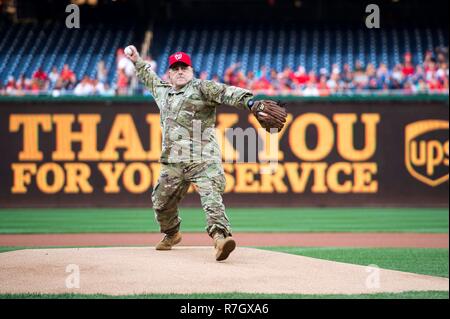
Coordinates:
[185,159]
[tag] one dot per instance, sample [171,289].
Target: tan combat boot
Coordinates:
[223,245]
[168,241]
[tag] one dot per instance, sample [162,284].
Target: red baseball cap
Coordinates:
[180,57]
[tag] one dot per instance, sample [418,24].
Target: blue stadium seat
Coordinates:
[27,46]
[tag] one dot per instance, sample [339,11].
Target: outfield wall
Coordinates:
[389,151]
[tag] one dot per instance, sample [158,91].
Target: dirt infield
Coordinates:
[413,240]
[139,270]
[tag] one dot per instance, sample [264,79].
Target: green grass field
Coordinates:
[98,220]
[417,260]
[403,295]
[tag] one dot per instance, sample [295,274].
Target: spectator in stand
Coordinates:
[67,78]
[322,86]
[250,79]
[442,55]
[240,80]
[382,76]
[85,87]
[54,76]
[347,76]
[216,78]
[153,64]
[99,87]
[408,67]
[430,71]
[122,83]
[311,88]
[203,75]
[125,64]
[421,86]
[360,78]
[261,83]
[396,80]
[419,74]
[262,73]
[442,72]
[10,87]
[286,80]
[106,91]
[432,75]
[301,77]
[40,80]
[102,72]
[230,74]
[333,83]
[23,85]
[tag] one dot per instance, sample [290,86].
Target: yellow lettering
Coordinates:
[325,137]
[111,172]
[363,178]
[446,153]
[144,178]
[31,122]
[65,136]
[296,180]
[22,176]
[418,157]
[319,178]
[345,134]
[333,178]
[123,135]
[224,121]
[267,153]
[155,137]
[229,177]
[273,182]
[245,174]
[435,155]
[77,175]
[42,178]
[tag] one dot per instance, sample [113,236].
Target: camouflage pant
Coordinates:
[173,184]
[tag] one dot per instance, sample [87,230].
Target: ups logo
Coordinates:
[427,153]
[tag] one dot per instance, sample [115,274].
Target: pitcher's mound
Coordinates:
[129,270]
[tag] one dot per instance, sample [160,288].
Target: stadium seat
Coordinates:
[27,46]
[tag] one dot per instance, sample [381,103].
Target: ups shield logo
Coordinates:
[427,153]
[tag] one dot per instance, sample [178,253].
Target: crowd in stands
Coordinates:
[429,76]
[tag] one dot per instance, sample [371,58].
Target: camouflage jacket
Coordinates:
[188,115]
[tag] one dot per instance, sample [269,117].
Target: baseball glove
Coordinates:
[270,114]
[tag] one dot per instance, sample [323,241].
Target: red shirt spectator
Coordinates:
[40,75]
[301,77]
[408,68]
[67,74]
[122,82]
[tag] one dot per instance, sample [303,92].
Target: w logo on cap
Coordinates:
[180,57]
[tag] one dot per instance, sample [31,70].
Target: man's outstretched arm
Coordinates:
[270,114]
[225,94]
[145,73]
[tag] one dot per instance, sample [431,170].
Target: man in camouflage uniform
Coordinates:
[190,152]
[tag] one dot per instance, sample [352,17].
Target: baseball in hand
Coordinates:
[128,51]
